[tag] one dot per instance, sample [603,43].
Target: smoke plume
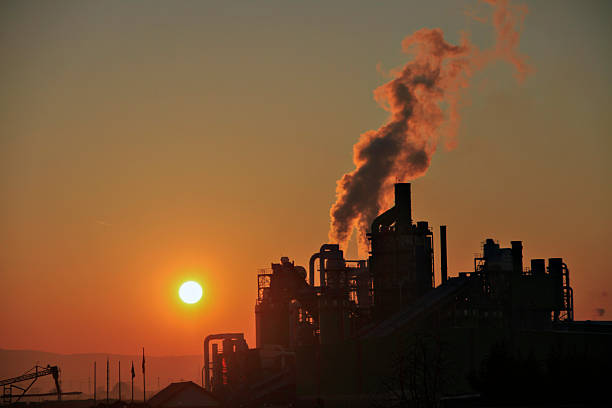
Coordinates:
[402,148]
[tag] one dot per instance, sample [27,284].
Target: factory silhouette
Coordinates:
[378,332]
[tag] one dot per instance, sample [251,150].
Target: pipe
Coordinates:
[570,292]
[555,271]
[443,259]
[311,271]
[322,280]
[321,255]
[329,248]
[231,336]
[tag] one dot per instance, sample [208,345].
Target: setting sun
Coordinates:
[190,292]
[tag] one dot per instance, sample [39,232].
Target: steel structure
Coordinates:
[313,324]
[8,385]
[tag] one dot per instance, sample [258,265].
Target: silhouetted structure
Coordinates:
[9,384]
[13,389]
[401,261]
[342,339]
[443,255]
[183,394]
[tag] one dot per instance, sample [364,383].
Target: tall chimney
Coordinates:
[443,264]
[517,257]
[403,204]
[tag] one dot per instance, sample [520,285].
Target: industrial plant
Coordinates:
[378,332]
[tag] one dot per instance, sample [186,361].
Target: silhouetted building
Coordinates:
[183,395]
[344,338]
[401,261]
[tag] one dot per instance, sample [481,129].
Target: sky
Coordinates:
[143,144]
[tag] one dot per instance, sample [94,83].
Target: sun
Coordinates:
[190,292]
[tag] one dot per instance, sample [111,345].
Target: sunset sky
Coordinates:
[143,144]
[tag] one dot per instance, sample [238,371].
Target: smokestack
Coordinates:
[517,257]
[423,100]
[443,264]
[403,204]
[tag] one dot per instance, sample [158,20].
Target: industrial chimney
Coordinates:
[443,260]
[403,205]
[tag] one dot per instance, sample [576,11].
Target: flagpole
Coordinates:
[106,380]
[133,375]
[119,380]
[144,382]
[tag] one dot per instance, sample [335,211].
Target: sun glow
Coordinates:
[190,292]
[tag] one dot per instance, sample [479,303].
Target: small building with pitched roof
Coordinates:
[183,395]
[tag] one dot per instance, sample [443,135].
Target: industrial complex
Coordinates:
[378,332]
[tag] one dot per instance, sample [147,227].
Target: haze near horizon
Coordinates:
[147,144]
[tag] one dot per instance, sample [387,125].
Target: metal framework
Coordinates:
[33,374]
[568,295]
[264,277]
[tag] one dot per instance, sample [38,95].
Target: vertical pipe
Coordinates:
[144,380]
[206,364]
[443,259]
[555,271]
[216,368]
[568,294]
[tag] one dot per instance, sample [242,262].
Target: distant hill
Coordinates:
[76,370]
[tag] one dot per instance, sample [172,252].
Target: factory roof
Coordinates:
[185,395]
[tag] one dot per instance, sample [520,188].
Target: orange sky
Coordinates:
[144,144]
